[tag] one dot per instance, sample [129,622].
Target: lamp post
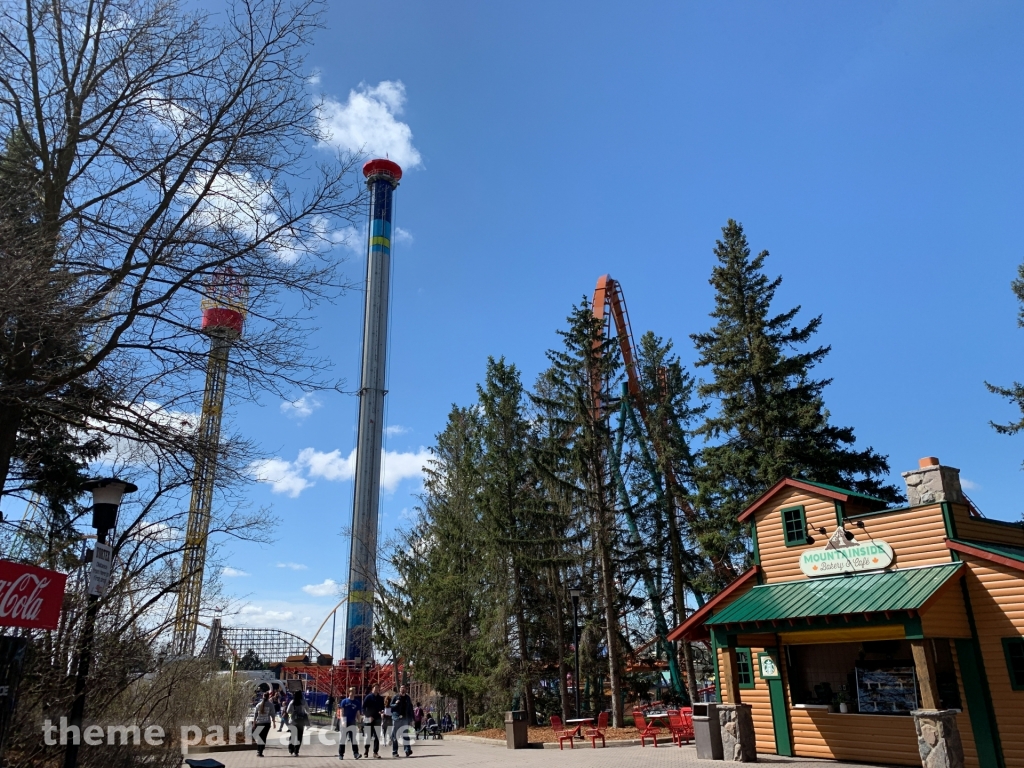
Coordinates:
[106,499]
[575,595]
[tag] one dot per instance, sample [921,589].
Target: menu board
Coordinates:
[886,689]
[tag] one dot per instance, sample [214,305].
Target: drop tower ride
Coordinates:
[382,177]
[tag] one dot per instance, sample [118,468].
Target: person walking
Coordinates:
[386,719]
[262,719]
[329,706]
[401,721]
[281,705]
[373,716]
[348,721]
[298,714]
[417,718]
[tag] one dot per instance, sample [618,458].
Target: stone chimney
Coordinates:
[933,483]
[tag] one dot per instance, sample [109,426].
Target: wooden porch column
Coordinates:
[924,664]
[730,675]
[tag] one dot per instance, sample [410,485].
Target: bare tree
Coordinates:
[166,146]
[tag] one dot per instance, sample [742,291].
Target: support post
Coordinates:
[730,673]
[924,664]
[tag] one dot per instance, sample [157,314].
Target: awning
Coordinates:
[857,595]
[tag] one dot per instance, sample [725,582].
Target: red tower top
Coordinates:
[225,304]
[382,167]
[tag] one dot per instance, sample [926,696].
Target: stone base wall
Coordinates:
[938,738]
[738,739]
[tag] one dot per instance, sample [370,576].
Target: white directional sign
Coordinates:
[99,571]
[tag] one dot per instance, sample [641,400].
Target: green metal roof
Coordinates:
[1006,550]
[847,491]
[903,590]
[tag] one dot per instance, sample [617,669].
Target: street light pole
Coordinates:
[575,595]
[106,499]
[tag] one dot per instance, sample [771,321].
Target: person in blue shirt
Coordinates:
[348,712]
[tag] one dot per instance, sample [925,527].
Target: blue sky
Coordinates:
[873,148]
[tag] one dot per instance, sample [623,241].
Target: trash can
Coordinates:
[517,734]
[707,733]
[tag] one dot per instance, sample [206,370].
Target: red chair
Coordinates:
[598,732]
[646,731]
[560,733]
[680,725]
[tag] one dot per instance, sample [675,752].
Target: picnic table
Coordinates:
[579,722]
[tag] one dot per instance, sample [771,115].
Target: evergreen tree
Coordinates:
[771,421]
[1015,393]
[583,375]
[438,611]
[512,517]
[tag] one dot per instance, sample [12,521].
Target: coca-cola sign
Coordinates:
[29,596]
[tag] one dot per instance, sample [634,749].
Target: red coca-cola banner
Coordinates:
[29,596]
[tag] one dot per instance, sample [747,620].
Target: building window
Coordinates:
[744,668]
[794,526]
[1014,649]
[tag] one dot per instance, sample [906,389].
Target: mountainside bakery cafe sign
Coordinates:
[842,555]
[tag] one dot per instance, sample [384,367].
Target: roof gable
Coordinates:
[821,489]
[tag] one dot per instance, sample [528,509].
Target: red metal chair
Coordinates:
[597,732]
[680,725]
[561,733]
[646,731]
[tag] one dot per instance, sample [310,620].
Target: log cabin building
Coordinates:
[854,614]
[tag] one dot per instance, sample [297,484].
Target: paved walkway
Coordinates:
[463,754]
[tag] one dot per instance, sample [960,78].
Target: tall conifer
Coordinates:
[771,421]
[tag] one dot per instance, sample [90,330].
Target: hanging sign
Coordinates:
[846,555]
[769,669]
[99,570]
[29,596]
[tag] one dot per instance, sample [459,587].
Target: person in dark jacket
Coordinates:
[299,716]
[401,722]
[373,709]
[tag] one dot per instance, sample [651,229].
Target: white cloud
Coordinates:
[257,616]
[367,123]
[301,408]
[399,466]
[325,588]
[283,476]
[293,566]
[293,477]
[403,236]
[395,429]
[969,485]
[230,572]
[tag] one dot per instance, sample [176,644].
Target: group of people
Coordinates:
[288,710]
[372,718]
[389,719]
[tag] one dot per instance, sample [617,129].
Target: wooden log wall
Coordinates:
[999,612]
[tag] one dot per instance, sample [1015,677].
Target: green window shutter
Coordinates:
[1013,647]
[744,668]
[794,526]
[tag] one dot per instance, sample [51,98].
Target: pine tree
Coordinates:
[512,515]
[771,421]
[438,611]
[579,386]
[1015,393]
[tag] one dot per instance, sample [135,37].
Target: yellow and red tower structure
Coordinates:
[223,318]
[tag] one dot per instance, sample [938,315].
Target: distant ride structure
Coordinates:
[224,309]
[382,177]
